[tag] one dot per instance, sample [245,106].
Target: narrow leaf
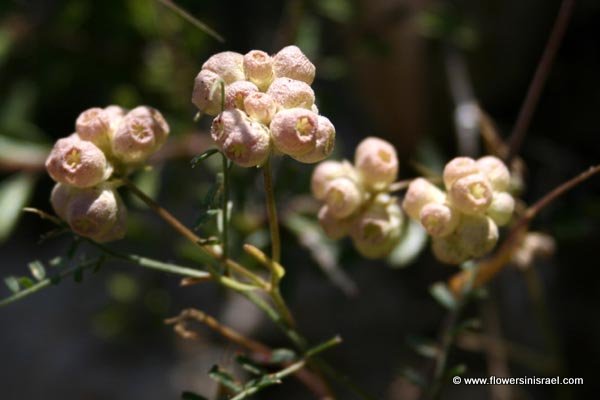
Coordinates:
[37,270]
[196,160]
[443,295]
[12,283]
[224,378]
[14,194]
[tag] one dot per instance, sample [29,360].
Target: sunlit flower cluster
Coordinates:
[106,140]
[464,220]
[356,198]
[263,104]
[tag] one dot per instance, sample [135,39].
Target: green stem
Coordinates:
[272,212]
[225,206]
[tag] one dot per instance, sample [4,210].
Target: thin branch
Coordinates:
[539,78]
[193,20]
[272,212]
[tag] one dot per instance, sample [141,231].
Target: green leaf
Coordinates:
[249,365]
[192,396]
[22,153]
[414,376]
[457,370]
[208,153]
[148,181]
[422,346]
[442,294]
[26,282]
[14,194]
[225,379]
[12,283]
[412,242]
[280,356]
[37,270]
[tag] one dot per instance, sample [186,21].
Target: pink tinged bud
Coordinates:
[76,162]
[471,194]
[457,168]
[327,171]
[244,141]
[94,125]
[343,197]
[93,212]
[501,209]
[496,171]
[377,162]
[159,124]
[478,234]
[236,93]
[324,145]
[294,131]
[260,107]
[290,62]
[137,138]
[449,250]
[228,65]
[377,231]
[119,229]
[258,67]
[207,92]
[439,219]
[335,228]
[421,192]
[290,93]
[60,197]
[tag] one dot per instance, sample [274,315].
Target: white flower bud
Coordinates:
[260,107]
[258,67]
[228,65]
[325,141]
[377,231]
[290,62]
[207,92]
[421,192]
[471,194]
[94,125]
[449,250]
[60,197]
[290,93]
[294,131]
[502,208]
[377,162]
[496,171]
[236,93]
[457,168]
[335,228]
[343,197]
[76,162]
[327,171]
[244,141]
[478,234]
[439,219]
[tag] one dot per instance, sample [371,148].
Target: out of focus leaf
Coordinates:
[411,244]
[12,283]
[192,396]
[14,194]
[442,294]
[414,377]
[280,356]
[37,270]
[149,182]
[224,378]
[22,154]
[208,153]
[422,346]
[26,282]
[249,365]
[337,10]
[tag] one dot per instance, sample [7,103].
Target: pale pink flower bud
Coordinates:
[244,141]
[449,250]
[457,168]
[496,171]
[290,93]
[207,92]
[76,162]
[228,65]
[93,212]
[94,125]
[327,171]
[439,219]
[325,141]
[119,228]
[260,107]
[236,93]
[141,133]
[377,162]
[471,194]
[290,62]
[501,209]
[377,231]
[60,197]
[421,192]
[335,228]
[343,197]
[478,234]
[258,67]
[294,131]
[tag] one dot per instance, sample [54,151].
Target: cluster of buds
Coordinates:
[263,103]
[107,140]
[357,199]
[463,221]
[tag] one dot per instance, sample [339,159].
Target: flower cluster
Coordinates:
[464,220]
[357,199]
[262,102]
[106,140]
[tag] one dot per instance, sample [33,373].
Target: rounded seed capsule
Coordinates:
[376,161]
[294,131]
[290,62]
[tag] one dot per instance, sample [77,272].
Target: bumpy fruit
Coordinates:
[141,132]
[228,65]
[457,168]
[327,171]
[236,93]
[290,62]
[290,93]
[343,197]
[421,192]
[377,162]
[258,67]
[260,107]
[325,141]
[294,131]
[471,194]
[207,94]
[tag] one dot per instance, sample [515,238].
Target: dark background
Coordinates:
[381,70]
